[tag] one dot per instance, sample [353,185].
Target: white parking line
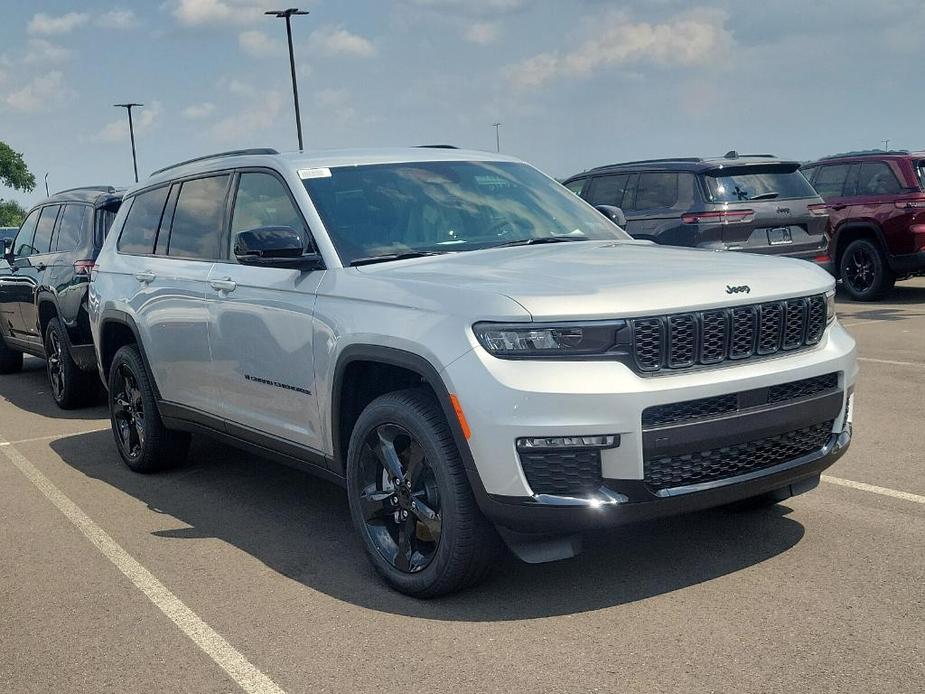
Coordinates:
[54,436]
[248,677]
[906,496]
[920,364]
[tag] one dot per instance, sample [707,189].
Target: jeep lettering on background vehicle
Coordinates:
[478,356]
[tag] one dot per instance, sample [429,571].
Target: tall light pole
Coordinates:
[497,127]
[886,143]
[131,132]
[286,14]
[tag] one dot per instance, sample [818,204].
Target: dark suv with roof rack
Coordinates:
[43,289]
[876,203]
[755,203]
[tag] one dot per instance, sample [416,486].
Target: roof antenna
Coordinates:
[731,154]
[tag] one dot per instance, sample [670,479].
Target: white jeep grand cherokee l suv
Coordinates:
[472,351]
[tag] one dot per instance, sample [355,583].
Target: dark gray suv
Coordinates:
[754,203]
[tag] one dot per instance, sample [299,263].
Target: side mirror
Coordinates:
[614,214]
[274,247]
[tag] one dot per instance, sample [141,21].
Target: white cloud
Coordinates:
[336,103]
[42,23]
[198,12]
[198,111]
[686,41]
[259,44]
[335,40]
[41,94]
[257,112]
[474,7]
[482,32]
[42,51]
[143,120]
[118,18]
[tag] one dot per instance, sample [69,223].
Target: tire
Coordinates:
[10,359]
[143,442]
[864,271]
[444,544]
[70,386]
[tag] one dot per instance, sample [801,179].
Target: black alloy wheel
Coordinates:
[128,413]
[53,364]
[399,498]
[864,271]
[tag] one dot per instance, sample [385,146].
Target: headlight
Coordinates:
[548,341]
[829,307]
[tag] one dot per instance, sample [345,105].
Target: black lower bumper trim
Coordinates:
[539,515]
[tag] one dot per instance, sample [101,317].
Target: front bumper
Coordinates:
[505,400]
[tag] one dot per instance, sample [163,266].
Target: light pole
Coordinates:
[131,132]
[286,14]
[497,127]
[46,185]
[886,144]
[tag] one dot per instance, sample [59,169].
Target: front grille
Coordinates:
[732,461]
[683,340]
[702,408]
[562,472]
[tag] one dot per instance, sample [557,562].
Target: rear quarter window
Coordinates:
[829,180]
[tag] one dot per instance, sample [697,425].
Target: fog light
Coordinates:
[546,442]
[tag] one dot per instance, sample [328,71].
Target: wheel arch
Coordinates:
[118,329]
[851,231]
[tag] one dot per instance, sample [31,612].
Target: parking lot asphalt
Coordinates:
[234,573]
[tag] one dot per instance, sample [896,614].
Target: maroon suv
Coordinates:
[876,203]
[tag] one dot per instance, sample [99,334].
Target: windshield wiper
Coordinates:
[393,256]
[770,195]
[542,239]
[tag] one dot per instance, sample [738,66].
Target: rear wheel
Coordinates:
[144,443]
[70,386]
[410,499]
[865,272]
[10,359]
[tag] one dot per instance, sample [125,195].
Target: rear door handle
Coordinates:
[145,277]
[225,285]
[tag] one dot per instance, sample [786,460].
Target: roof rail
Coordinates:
[102,189]
[218,155]
[760,156]
[436,146]
[649,161]
[865,153]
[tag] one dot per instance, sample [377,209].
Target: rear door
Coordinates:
[877,189]
[771,209]
[262,324]
[831,181]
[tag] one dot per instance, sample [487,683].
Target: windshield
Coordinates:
[446,206]
[757,183]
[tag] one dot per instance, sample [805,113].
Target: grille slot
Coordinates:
[562,472]
[803,389]
[683,340]
[731,461]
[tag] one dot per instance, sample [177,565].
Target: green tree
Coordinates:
[11,213]
[13,170]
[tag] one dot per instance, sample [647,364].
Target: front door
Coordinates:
[30,263]
[261,325]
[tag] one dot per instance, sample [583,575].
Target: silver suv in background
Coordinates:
[477,355]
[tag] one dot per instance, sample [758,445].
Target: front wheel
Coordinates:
[144,443]
[865,272]
[410,499]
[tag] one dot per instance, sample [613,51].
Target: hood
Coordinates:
[604,279]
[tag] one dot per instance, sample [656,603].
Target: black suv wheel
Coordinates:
[10,359]
[864,271]
[143,442]
[410,499]
[70,387]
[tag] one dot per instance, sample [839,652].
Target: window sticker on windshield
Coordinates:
[314,173]
[490,181]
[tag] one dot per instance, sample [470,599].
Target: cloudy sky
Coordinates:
[575,83]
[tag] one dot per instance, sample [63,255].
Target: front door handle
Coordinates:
[145,277]
[224,285]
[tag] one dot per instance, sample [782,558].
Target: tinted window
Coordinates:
[576,186]
[263,201]
[656,190]
[198,220]
[758,184]
[23,243]
[75,220]
[608,190]
[43,230]
[447,206]
[830,180]
[877,178]
[140,228]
